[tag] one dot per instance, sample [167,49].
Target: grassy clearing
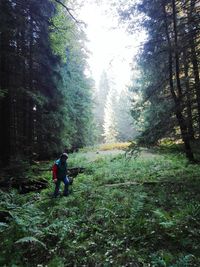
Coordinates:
[144,225]
[170,147]
[107,147]
[120,146]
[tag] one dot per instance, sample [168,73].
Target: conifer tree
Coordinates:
[125,127]
[110,123]
[100,97]
[45,99]
[169,73]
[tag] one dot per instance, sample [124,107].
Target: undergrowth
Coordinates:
[143,224]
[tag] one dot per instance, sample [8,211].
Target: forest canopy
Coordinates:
[45,96]
[133,200]
[47,102]
[168,87]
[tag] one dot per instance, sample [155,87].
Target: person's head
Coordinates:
[63,157]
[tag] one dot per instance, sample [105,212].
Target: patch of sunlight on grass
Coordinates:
[120,146]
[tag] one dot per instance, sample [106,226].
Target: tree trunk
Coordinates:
[195,61]
[179,115]
[188,99]
[30,130]
[5,101]
[196,79]
[177,99]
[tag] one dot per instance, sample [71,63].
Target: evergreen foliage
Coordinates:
[110,118]
[45,99]
[100,97]
[125,125]
[154,224]
[139,208]
[112,113]
[169,69]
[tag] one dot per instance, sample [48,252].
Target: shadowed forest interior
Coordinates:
[116,85]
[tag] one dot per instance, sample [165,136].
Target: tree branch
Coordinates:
[69,11]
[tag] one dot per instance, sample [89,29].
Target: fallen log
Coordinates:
[73,172]
[42,170]
[24,185]
[122,184]
[32,186]
[143,183]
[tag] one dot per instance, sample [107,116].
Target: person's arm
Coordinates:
[55,168]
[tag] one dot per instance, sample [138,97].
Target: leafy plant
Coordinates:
[154,223]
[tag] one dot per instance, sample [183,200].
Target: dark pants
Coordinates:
[66,188]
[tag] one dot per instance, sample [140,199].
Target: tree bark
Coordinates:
[188,98]
[30,129]
[177,98]
[195,61]
[5,101]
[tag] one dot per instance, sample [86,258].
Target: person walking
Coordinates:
[60,175]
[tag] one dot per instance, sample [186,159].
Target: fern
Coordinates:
[164,218]
[30,239]
[3,226]
[154,224]
[186,261]
[133,151]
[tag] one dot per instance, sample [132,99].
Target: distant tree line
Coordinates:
[45,97]
[169,83]
[112,112]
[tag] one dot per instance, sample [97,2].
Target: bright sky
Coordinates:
[112,48]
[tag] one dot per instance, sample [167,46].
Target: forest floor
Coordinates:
[99,154]
[122,211]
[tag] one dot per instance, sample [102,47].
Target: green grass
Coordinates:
[138,225]
[107,147]
[120,146]
[171,147]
